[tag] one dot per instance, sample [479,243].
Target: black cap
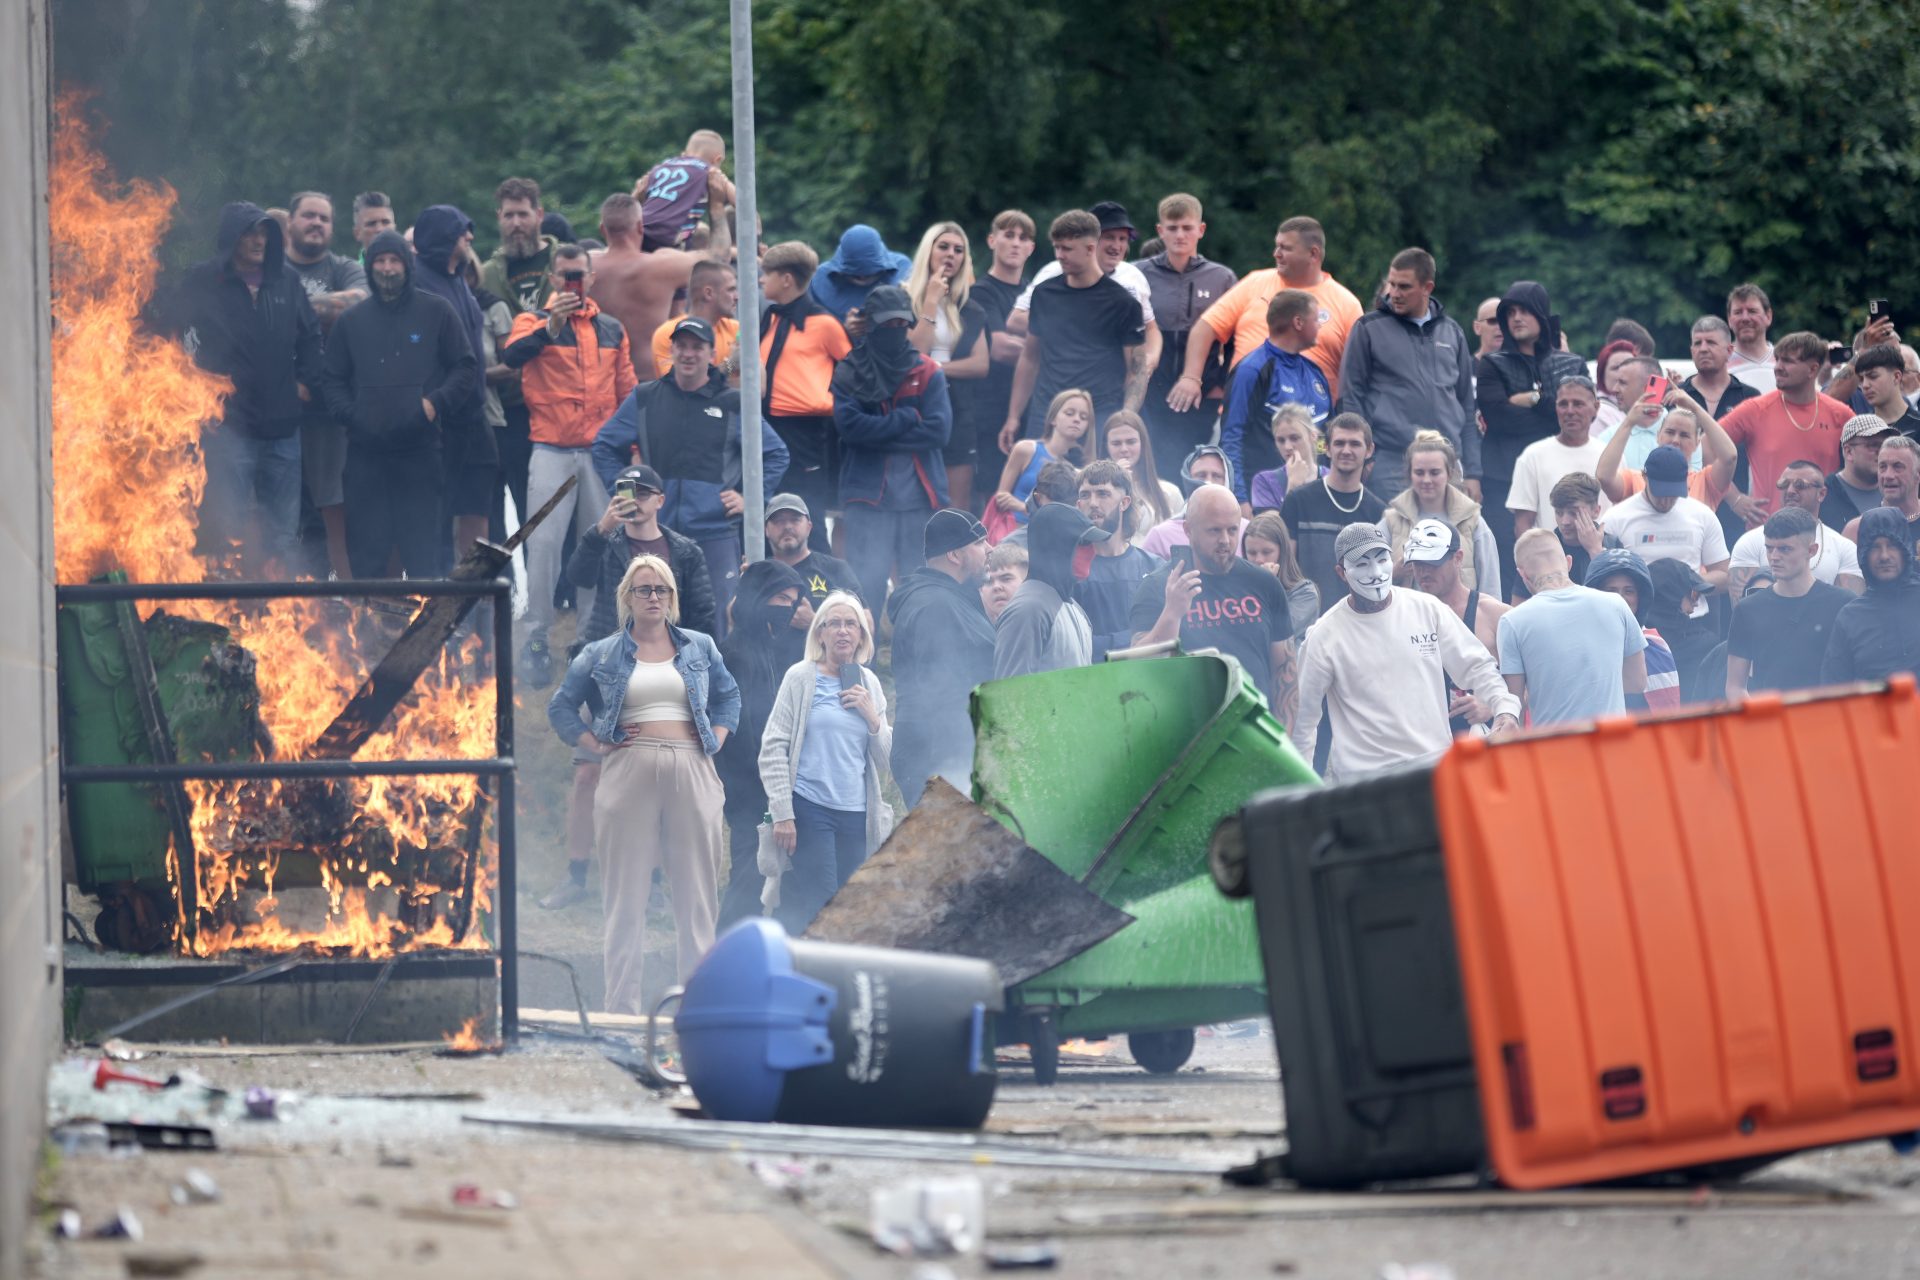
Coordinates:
[950,530]
[1666,472]
[1113,217]
[887,302]
[692,327]
[644,476]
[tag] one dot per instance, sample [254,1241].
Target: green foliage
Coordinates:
[1636,156]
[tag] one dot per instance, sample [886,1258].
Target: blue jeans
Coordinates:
[831,846]
[251,484]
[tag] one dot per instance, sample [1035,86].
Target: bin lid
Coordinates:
[747,1019]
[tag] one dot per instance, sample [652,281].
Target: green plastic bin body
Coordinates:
[1118,773]
[206,687]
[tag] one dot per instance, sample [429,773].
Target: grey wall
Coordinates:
[29,826]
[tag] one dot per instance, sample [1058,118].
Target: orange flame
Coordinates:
[128,411]
[466,1039]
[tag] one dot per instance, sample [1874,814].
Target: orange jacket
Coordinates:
[574,382]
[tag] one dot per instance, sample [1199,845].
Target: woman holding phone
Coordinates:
[822,759]
[663,704]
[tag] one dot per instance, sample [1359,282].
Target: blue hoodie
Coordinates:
[861,253]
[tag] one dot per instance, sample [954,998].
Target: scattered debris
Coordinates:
[929,1218]
[160,1137]
[458,1217]
[82,1138]
[1029,1257]
[67,1226]
[176,1262]
[870,1144]
[466,1042]
[1416,1271]
[468,1195]
[121,1051]
[262,1103]
[195,1188]
[124,1225]
[106,1074]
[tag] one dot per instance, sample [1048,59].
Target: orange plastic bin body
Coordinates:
[1690,941]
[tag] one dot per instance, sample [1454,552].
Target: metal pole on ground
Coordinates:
[747,243]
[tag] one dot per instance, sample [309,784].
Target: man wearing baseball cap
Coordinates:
[1434,553]
[686,426]
[1381,659]
[942,648]
[790,541]
[1662,523]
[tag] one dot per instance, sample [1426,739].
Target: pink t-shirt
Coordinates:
[1777,433]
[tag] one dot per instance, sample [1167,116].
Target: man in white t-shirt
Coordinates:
[1544,463]
[1381,658]
[1835,560]
[1662,523]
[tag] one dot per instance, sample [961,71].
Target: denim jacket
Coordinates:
[598,678]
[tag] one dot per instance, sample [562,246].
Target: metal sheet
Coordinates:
[953,881]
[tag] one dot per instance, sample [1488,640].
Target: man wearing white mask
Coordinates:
[1381,659]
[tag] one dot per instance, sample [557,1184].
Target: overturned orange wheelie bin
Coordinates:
[1637,947]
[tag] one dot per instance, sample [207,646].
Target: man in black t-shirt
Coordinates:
[1780,635]
[1209,598]
[1010,243]
[789,525]
[1316,513]
[1084,330]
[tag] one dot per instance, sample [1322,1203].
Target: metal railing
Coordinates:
[499,767]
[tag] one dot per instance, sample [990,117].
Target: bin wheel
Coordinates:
[1227,858]
[1044,1046]
[1161,1052]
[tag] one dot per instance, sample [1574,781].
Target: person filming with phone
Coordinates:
[576,367]
[823,758]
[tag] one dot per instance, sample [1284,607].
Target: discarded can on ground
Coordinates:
[929,1218]
[777,1028]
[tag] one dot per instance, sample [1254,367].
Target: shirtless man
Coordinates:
[637,288]
[1433,551]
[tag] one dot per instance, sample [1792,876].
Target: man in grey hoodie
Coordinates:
[1042,629]
[1407,366]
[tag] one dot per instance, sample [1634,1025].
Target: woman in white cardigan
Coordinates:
[822,758]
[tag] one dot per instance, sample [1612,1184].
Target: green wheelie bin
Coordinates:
[1118,773]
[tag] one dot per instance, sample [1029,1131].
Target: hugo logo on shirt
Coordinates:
[1229,609]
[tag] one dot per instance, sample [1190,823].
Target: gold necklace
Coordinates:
[1787,409]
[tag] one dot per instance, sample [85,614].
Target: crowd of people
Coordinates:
[1400,529]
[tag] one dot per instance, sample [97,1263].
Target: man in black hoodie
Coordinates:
[771,614]
[244,314]
[1042,628]
[1879,633]
[442,241]
[398,367]
[1515,389]
[942,647]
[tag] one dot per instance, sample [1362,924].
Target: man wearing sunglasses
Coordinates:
[1834,559]
[576,366]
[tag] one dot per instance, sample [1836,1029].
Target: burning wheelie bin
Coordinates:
[1114,775]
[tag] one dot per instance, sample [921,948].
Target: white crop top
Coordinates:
[655,692]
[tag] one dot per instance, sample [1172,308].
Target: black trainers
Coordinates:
[536,662]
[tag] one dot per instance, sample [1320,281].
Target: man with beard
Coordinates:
[789,540]
[1878,633]
[1106,499]
[517,274]
[398,367]
[629,527]
[771,614]
[942,647]
[333,283]
[893,416]
[442,239]
[1042,628]
[1208,597]
[1381,659]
